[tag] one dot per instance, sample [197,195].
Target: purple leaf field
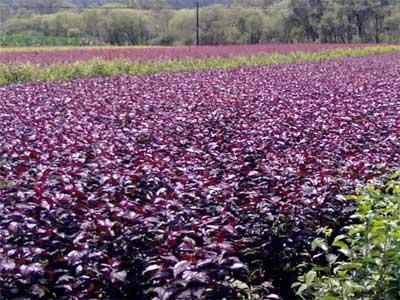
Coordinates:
[188,185]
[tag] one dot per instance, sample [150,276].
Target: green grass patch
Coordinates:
[37,41]
[28,72]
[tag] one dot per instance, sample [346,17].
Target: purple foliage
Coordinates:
[167,185]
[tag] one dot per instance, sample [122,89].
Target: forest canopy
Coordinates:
[172,22]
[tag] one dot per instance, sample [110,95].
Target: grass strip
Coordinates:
[31,73]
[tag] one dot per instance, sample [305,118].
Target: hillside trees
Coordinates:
[147,4]
[306,15]
[250,22]
[5,13]
[339,20]
[119,26]
[392,27]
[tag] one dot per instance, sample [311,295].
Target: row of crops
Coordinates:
[68,55]
[68,63]
[209,184]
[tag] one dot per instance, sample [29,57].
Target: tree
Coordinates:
[127,27]
[392,27]
[381,8]
[42,6]
[181,28]
[237,22]
[250,25]
[306,14]
[253,3]
[5,13]
[147,4]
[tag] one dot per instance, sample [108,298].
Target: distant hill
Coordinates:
[16,4]
[191,3]
[172,3]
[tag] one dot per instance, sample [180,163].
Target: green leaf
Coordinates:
[338,242]
[329,298]
[301,289]
[395,175]
[355,229]
[350,285]
[319,243]
[331,258]
[311,275]
[345,252]
[350,266]
[296,284]
[322,269]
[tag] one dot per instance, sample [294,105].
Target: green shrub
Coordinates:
[364,262]
[28,41]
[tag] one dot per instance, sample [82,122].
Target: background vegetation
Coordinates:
[172,22]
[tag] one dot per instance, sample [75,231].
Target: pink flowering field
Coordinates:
[160,53]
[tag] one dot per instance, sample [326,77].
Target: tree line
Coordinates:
[237,22]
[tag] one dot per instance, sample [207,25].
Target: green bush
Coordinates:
[28,41]
[364,262]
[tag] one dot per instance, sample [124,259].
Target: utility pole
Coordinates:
[197,24]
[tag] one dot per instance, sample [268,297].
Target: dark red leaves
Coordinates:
[20,169]
[176,182]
